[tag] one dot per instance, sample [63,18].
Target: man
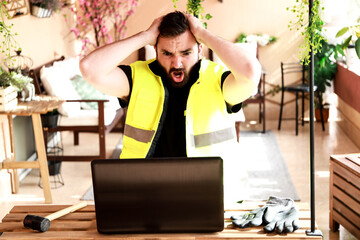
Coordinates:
[178,104]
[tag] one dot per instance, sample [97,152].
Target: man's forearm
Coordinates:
[100,67]
[108,57]
[240,62]
[245,68]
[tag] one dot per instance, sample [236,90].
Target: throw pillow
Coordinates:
[57,83]
[86,91]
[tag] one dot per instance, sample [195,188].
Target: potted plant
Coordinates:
[44,8]
[8,94]
[325,68]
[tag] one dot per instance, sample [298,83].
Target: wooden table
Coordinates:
[345,192]
[82,225]
[43,105]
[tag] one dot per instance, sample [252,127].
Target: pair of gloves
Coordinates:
[278,214]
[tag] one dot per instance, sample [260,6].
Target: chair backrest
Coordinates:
[292,68]
[35,75]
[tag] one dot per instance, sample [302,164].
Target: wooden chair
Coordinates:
[101,129]
[259,98]
[301,87]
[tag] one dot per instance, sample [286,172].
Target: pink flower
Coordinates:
[75,31]
[104,30]
[110,40]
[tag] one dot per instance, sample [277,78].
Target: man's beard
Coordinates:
[178,71]
[186,76]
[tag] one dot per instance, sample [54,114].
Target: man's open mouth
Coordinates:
[177,76]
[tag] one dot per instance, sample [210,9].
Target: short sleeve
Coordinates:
[231,109]
[127,70]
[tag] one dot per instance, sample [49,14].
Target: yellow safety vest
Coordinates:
[209,129]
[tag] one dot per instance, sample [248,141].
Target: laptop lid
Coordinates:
[158,195]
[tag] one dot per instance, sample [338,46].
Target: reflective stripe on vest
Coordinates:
[210,138]
[138,134]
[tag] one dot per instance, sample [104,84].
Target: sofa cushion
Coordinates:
[57,83]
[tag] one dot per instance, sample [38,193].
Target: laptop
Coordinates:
[158,195]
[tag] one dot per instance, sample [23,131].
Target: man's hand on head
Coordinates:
[153,30]
[196,26]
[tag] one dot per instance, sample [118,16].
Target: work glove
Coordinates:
[286,221]
[265,214]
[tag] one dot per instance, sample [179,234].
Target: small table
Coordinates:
[82,225]
[345,192]
[43,105]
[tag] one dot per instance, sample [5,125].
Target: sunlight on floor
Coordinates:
[323,174]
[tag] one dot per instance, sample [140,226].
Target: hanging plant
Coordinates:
[54,5]
[194,7]
[310,27]
[8,37]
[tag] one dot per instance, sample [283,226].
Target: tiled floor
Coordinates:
[295,150]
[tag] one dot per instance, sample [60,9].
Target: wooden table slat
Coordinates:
[95,235]
[47,208]
[75,215]
[82,225]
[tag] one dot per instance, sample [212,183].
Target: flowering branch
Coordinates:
[99,22]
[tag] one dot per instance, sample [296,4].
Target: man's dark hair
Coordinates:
[173,24]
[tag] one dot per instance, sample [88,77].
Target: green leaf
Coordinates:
[347,42]
[357,47]
[208,16]
[342,31]
[241,201]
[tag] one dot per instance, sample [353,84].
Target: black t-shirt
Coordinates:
[170,142]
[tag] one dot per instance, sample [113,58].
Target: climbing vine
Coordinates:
[310,27]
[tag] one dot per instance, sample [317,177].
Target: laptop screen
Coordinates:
[158,195]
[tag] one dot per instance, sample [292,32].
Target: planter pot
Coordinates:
[325,114]
[49,120]
[8,98]
[54,167]
[40,12]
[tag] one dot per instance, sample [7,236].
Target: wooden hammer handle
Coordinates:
[66,211]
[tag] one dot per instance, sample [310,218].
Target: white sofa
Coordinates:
[86,109]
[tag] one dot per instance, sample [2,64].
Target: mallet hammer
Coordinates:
[42,224]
